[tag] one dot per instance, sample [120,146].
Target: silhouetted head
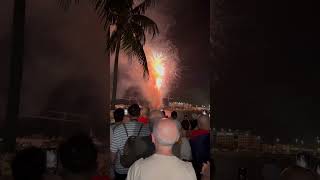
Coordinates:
[29,164]
[155,115]
[78,155]
[204,122]
[164,113]
[118,114]
[145,112]
[134,110]
[174,115]
[303,160]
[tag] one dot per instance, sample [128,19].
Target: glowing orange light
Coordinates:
[158,69]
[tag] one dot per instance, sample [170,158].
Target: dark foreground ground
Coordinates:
[228,163]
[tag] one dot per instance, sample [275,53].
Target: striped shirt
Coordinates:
[120,137]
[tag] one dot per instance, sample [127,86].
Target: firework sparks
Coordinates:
[158,69]
[164,71]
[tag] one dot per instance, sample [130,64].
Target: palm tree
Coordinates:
[104,9]
[129,35]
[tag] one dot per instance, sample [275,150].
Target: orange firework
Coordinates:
[156,78]
[157,67]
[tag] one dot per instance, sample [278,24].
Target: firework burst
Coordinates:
[163,72]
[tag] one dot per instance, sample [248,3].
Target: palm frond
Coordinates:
[133,47]
[65,4]
[142,7]
[137,31]
[146,23]
[104,11]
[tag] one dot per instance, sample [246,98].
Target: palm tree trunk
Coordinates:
[115,76]
[16,71]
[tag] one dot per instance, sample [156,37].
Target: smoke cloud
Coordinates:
[130,72]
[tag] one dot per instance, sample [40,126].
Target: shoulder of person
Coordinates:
[135,169]
[189,169]
[117,128]
[138,162]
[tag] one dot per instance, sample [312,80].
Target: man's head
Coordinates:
[155,115]
[164,113]
[303,160]
[78,155]
[134,110]
[145,112]
[165,133]
[29,164]
[204,122]
[174,115]
[118,114]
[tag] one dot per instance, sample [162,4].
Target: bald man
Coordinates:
[163,165]
[200,144]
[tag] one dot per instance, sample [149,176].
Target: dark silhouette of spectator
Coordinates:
[118,116]
[317,169]
[162,165]
[194,121]
[301,170]
[182,148]
[120,136]
[78,156]
[29,164]
[174,115]
[185,123]
[144,115]
[200,144]
[164,114]
[194,124]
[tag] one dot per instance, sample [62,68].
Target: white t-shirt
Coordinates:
[161,167]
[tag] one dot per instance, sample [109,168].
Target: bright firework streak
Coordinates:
[157,82]
[158,69]
[164,71]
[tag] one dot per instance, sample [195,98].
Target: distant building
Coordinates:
[225,140]
[248,142]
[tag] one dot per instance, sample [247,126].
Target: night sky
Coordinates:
[268,80]
[65,65]
[268,73]
[191,36]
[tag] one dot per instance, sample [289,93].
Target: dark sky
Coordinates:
[269,78]
[191,36]
[65,64]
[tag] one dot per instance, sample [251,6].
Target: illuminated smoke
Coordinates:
[163,62]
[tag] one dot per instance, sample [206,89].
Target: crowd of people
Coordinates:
[143,145]
[178,149]
[78,159]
